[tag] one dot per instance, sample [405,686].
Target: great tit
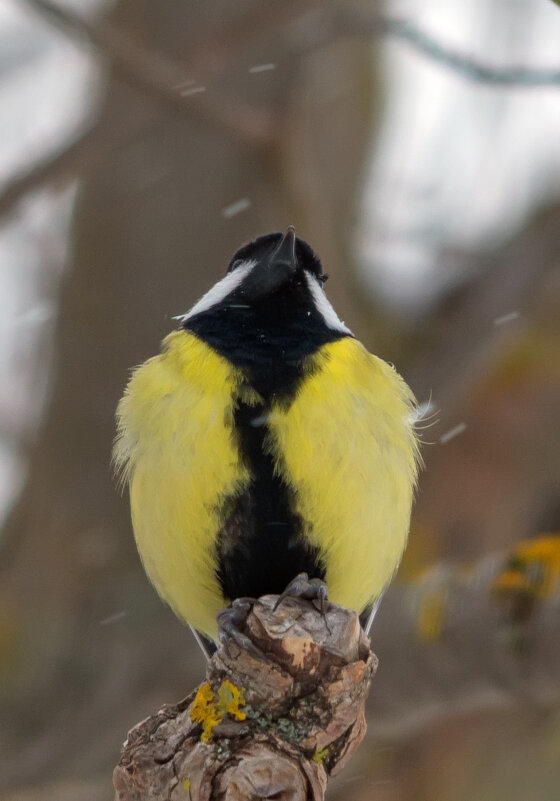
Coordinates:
[265,441]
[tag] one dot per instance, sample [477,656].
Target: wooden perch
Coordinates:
[271,727]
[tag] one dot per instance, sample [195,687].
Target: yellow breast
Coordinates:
[176,446]
[345,445]
[348,448]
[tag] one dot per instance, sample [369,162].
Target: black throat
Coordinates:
[267,339]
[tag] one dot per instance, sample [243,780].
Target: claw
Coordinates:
[230,621]
[304,587]
[310,589]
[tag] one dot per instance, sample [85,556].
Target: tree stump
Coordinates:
[275,726]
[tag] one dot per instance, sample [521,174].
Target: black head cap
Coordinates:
[283,254]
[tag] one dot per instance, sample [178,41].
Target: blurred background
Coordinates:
[417,148]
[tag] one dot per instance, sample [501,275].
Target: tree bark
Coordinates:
[275,726]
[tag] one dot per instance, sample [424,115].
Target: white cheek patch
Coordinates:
[323,306]
[219,291]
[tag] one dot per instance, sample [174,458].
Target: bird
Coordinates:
[264,441]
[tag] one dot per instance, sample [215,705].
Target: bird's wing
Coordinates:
[347,446]
[179,455]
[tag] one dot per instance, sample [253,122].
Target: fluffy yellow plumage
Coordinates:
[345,445]
[265,441]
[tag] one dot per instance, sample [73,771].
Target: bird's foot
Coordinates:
[309,589]
[232,619]
[230,622]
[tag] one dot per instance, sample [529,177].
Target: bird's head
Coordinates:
[274,273]
[275,260]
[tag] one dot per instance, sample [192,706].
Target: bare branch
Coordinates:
[465,65]
[467,342]
[146,71]
[358,23]
[157,76]
[287,718]
[55,166]
[160,78]
[269,723]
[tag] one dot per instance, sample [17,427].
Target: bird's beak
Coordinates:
[275,269]
[284,256]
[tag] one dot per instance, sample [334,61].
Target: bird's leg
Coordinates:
[207,647]
[310,589]
[230,621]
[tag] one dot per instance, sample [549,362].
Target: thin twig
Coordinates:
[468,342]
[357,23]
[147,71]
[52,167]
[467,66]
[157,75]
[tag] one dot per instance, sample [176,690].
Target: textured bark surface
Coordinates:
[271,727]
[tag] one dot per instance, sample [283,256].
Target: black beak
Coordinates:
[274,270]
[284,256]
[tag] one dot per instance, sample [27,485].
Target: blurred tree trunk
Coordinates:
[149,237]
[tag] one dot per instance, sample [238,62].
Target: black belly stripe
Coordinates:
[261,546]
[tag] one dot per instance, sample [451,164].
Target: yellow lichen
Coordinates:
[320,755]
[209,711]
[203,699]
[230,699]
